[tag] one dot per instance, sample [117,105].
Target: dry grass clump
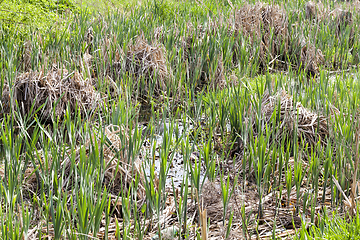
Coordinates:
[27,56]
[344,20]
[311,58]
[108,56]
[188,41]
[118,173]
[5,100]
[283,217]
[310,10]
[315,11]
[58,91]
[310,127]
[89,38]
[211,71]
[100,61]
[147,65]
[208,70]
[267,25]
[160,33]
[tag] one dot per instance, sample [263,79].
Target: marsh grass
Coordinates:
[241,114]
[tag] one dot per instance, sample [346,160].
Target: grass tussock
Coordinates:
[53,93]
[311,58]
[148,65]
[266,25]
[205,65]
[118,172]
[282,115]
[310,10]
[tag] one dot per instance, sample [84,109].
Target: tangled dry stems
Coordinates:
[55,93]
[310,10]
[292,118]
[344,21]
[266,25]
[118,172]
[311,58]
[148,65]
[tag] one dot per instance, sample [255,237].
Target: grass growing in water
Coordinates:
[261,143]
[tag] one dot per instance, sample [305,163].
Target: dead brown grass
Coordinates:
[207,70]
[89,38]
[119,175]
[310,10]
[266,28]
[56,92]
[311,58]
[148,65]
[344,20]
[315,11]
[28,56]
[309,126]
[266,25]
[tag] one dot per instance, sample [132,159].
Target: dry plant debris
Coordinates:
[147,64]
[26,57]
[310,10]
[267,26]
[28,54]
[344,20]
[264,24]
[89,38]
[211,67]
[311,58]
[315,11]
[118,172]
[212,77]
[58,90]
[160,33]
[119,175]
[109,57]
[310,127]
[276,208]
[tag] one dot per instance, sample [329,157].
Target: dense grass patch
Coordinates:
[162,120]
[22,18]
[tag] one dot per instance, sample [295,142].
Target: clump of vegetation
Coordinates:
[205,66]
[288,120]
[250,127]
[310,59]
[54,93]
[266,26]
[148,65]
